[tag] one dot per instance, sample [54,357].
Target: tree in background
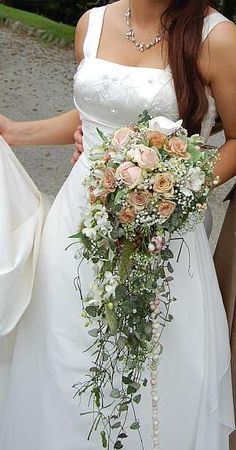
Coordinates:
[69,11]
[230,8]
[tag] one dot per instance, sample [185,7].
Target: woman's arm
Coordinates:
[222,45]
[53,131]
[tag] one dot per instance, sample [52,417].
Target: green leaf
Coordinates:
[111,320]
[94,333]
[169,254]
[169,279]
[101,134]
[116,425]
[137,398]
[91,311]
[123,407]
[122,342]
[131,390]
[122,435]
[135,426]
[118,445]
[119,195]
[120,292]
[170,268]
[115,393]
[126,380]
[104,439]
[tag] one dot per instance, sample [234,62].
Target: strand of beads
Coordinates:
[154,372]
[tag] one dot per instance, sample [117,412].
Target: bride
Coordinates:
[186,71]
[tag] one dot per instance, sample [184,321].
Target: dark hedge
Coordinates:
[69,11]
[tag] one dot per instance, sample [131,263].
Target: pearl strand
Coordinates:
[154,373]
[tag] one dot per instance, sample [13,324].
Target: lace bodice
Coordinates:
[110,95]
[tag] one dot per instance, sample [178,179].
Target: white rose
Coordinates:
[164,125]
[196,179]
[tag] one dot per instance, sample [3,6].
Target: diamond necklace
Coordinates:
[130,34]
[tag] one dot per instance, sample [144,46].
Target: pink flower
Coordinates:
[127,215]
[122,136]
[166,208]
[146,157]
[177,147]
[129,174]
[139,199]
[157,244]
[163,184]
[109,180]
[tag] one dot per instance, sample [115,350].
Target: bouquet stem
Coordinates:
[154,373]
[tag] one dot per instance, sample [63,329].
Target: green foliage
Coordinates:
[66,11]
[58,30]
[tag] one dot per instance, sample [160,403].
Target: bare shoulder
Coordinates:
[80,34]
[223,38]
[82,26]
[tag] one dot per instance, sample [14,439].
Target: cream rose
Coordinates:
[127,215]
[122,136]
[163,184]
[146,157]
[177,147]
[166,208]
[139,199]
[129,174]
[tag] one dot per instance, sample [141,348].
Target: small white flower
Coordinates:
[90,232]
[164,125]
[196,179]
[186,191]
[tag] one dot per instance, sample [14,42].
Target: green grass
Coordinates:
[59,30]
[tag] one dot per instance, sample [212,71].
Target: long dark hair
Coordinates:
[186,18]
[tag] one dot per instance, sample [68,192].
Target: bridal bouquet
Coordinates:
[148,184]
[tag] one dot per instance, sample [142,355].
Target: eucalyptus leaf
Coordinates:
[122,436]
[137,398]
[94,333]
[118,445]
[123,407]
[116,425]
[115,393]
[135,426]
[102,135]
[104,439]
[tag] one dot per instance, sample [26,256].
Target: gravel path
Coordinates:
[37,82]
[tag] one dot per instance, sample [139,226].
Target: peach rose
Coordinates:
[139,199]
[177,147]
[92,198]
[166,208]
[100,198]
[146,157]
[122,136]
[163,184]
[129,174]
[108,180]
[127,215]
[106,157]
[157,139]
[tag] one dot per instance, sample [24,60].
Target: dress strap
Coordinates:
[210,22]
[95,24]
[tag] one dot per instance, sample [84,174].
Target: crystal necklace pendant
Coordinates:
[130,35]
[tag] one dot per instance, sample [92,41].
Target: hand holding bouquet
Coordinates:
[147,182]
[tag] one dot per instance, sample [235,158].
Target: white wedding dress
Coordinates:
[43,337]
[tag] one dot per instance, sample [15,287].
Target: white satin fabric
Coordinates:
[42,345]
